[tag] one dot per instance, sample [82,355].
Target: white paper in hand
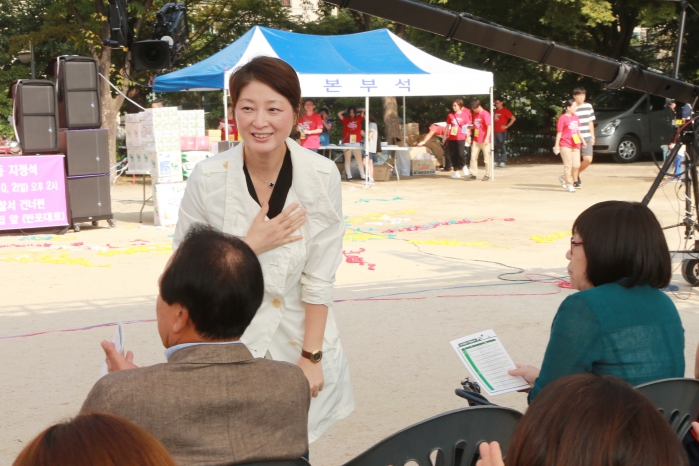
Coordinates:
[488,362]
[118,341]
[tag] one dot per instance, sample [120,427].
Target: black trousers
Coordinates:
[456,153]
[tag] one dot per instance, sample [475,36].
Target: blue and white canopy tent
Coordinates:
[368,64]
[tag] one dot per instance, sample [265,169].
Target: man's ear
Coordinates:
[182,320]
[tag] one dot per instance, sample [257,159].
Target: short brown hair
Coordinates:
[459,102]
[588,420]
[94,439]
[624,241]
[273,72]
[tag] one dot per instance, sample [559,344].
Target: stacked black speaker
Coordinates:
[65,117]
[84,144]
[36,116]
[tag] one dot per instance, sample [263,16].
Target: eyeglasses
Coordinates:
[574,243]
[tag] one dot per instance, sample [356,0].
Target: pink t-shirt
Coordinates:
[309,123]
[438,129]
[569,127]
[481,121]
[455,123]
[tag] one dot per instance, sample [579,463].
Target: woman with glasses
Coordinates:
[619,323]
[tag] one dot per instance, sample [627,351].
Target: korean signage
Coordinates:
[365,85]
[32,192]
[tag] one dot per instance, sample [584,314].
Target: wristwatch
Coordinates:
[314,357]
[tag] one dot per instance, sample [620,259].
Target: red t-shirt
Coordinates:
[569,127]
[500,119]
[455,123]
[352,129]
[232,129]
[306,122]
[481,121]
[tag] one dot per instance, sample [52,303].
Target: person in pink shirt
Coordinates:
[457,135]
[568,143]
[310,126]
[482,137]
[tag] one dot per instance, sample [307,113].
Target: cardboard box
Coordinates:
[422,167]
[165,167]
[133,118]
[382,173]
[214,135]
[133,133]
[201,143]
[166,202]
[188,143]
[196,156]
[413,139]
[412,129]
[419,153]
[221,146]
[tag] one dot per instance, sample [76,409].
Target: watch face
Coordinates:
[317,356]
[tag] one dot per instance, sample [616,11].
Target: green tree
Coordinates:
[17,19]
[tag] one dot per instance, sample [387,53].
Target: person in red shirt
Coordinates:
[502,120]
[232,128]
[440,130]
[310,126]
[568,143]
[458,122]
[482,137]
[352,134]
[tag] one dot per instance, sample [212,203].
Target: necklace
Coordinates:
[270,184]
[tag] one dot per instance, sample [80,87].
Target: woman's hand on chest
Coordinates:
[265,235]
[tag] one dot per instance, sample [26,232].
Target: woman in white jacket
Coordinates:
[286,202]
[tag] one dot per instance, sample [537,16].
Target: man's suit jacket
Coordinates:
[213,405]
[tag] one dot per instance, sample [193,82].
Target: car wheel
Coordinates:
[629,150]
[690,271]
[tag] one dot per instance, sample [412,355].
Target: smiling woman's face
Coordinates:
[577,268]
[264,118]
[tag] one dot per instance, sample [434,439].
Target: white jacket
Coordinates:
[294,274]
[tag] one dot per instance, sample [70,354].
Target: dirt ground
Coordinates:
[435,285]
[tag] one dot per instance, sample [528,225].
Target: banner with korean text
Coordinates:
[32,192]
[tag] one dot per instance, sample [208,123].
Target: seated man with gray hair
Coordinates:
[212,403]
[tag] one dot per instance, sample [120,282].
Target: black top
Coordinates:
[281,187]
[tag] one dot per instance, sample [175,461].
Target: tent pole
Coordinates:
[366,141]
[405,140]
[225,113]
[492,142]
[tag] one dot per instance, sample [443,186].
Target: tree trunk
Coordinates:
[110,105]
[627,23]
[390,107]
[390,119]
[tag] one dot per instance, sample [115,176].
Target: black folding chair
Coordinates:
[449,439]
[677,400]
[298,462]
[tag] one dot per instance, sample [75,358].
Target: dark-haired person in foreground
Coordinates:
[619,323]
[212,403]
[586,420]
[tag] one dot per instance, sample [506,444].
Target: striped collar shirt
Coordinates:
[586,114]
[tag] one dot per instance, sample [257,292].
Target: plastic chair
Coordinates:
[449,439]
[298,462]
[677,400]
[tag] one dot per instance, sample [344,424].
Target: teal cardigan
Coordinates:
[632,333]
